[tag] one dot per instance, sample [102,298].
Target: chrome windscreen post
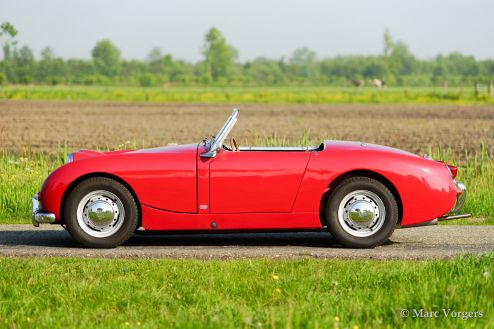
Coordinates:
[221,135]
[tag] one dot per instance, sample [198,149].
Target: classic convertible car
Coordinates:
[359,192]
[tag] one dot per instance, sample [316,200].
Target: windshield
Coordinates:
[222,134]
[225,130]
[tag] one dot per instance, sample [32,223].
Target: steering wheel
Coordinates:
[234,145]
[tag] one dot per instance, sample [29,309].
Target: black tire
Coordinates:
[341,193]
[125,228]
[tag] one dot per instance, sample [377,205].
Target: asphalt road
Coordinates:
[412,243]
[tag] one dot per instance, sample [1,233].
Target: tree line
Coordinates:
[396,65]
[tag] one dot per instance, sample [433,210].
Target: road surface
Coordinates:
[413,243]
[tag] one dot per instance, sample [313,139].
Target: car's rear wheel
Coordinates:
[100,213]
[361,212]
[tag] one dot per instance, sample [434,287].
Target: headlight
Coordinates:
[70,158]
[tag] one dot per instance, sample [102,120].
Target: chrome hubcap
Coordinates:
[100,213]
[361,213]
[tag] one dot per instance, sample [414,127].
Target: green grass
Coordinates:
[21,175]
[102,293]
[236,95]
[476,171]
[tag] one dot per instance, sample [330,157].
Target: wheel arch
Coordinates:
[82,178]
[359,173]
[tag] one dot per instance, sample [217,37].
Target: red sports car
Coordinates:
[359,192]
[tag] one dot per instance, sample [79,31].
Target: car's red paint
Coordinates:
[255,181]
[156,220]
[179,190]
[163,178]
[425,187]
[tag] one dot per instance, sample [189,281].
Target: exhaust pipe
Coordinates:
[443,218]
[437,220]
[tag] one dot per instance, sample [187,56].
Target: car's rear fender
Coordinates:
[425,187]
[361,173]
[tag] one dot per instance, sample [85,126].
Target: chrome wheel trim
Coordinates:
[100,213]
[361,213]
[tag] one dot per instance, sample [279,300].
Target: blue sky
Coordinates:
[269,28]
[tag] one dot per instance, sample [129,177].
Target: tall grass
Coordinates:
[476,171]
[232,95]
[22,174]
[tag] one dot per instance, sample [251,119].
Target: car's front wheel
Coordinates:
[100,213]
[361,212]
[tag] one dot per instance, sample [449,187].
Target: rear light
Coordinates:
[459,191]
[453,170]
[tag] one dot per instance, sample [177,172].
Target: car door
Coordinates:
[255,181]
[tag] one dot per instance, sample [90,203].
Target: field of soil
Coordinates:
[45,125]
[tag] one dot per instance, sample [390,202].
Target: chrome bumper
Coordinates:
[461,196]
[40,217]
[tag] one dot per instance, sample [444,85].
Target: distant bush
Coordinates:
[55,81]
[26,80]
[96,80]
[147,80]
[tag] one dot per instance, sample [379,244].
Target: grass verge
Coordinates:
[237,95]
[99,293]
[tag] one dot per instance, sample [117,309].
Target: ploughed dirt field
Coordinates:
[42,126]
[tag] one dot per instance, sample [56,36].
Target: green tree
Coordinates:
[47,54]
[388,43]
[218,55]
[106,58]
[155,60]
[9,32]
[439,71]
[347,67]
[398,58]
[486,67]
[263,71]
[79,71]
[461,65]
[23,66]
[374,67]
[155,55]
[50,69]
[304,63]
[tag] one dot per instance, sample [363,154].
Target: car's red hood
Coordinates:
[83,154]
[169,149]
